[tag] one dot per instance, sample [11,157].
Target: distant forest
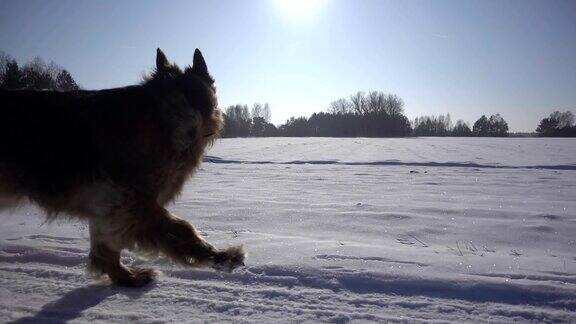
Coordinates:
[35,74]
[371,114]
[377,114]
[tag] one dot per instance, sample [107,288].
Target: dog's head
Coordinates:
[195,82]
[196,87]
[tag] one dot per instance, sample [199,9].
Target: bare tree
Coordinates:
[340,106]
[445,122]
[375,102]
[39,75]
[266,114]
[432,125]
[238,112]
[256,110]
[394,105]
[358,101]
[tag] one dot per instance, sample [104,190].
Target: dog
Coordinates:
[116,158]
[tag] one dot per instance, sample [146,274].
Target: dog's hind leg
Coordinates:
[104,258]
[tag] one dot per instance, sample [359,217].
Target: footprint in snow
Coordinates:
[404,240]
[410,240]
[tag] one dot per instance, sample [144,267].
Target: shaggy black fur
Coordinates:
[104,155]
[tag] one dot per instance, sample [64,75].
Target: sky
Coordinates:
[466,58]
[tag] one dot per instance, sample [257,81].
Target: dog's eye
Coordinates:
[191,133]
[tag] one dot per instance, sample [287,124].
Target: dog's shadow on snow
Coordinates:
[70,305]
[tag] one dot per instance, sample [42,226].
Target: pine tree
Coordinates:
[13,77]
[481,127]
[65,82]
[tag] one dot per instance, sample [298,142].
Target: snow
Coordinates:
[338,230]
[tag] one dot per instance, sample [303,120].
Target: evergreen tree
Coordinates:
[461,129]
[557,124]
[548,127]
[497,126]
[481,127]
[65,82]
[13,78]
[36,75]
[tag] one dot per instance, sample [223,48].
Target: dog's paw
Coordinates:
[229,259]
[136,277]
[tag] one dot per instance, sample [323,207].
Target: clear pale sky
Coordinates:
[466,58]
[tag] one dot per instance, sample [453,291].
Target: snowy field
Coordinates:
[337,230]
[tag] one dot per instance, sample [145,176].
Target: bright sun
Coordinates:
[299,7]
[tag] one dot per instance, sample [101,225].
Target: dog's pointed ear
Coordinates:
[199,65]
[161,61]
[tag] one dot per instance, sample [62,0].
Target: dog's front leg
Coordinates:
[180,241]
[151,228]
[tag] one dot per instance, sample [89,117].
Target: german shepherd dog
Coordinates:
[116,158]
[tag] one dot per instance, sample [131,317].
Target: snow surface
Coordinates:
[337,230]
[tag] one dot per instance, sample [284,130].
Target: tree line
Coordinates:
[558,124]
[34,75]
[371,114]
[494,126]
[376,114]
[239,121]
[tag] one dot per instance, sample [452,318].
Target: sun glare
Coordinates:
[299,7]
